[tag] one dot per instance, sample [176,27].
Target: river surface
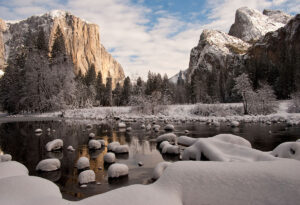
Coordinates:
[19,140]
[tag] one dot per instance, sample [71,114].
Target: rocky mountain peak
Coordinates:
[251,24]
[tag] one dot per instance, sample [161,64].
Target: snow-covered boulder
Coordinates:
[143,126]
[92,135]
[170,149]
[186,141]
[86,176]
[121,149]
[117,170]
[89,126]
[161,145]
[82,163]
[48,165]
[102,142]
[94,144]
[170,137]
[169,128]
[156,128]
[216,123]
[109,157]
[224,148]
[148,127]
[70,148]
[159,169]
[29,190]
[54,145]
[12,168]
[287,150]
[122,125]
[234,123]
[128,129]
[5,157]
[39,130]
[111,145]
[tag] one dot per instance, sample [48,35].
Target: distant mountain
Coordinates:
[256,42]
[82,41]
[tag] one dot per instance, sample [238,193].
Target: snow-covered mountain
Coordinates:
[250,24]
[82,41]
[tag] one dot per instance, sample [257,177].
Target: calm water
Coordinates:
[20,141]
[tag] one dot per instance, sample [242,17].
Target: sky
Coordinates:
[143,35]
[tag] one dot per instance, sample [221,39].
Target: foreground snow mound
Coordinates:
[83,163]
[167,148]
[224,147]
[228,183]
[29,190]
[86,176]
[5,158]
[159,169]
[48,165]
[54,145]
[170,137]
[112,145]
[109,157]
[12,168]
[94,144]
[287,150]
[117,170]
[186,141]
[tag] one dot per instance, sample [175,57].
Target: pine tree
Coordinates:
[126,92]
[41,41]
[117,95]
[58,46]
[90,77]
[100,88]
[108,92]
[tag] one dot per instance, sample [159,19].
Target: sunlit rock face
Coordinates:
[82,41]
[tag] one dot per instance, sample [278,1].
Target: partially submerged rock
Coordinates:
[170,137]
[109,157]
[82,163]
[53,145]
[117,170]
[94,144]
[48,165]
[86,176]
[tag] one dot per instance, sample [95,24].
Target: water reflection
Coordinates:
[20,140]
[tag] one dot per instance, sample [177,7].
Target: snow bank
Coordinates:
[5,158]
[186,141]
[12,168]
[109,157]
[170,137]
[54,145]
[29,190]
[169,127]
[94,144]
[167,148]
[287,150]
[111,145]
[117,170]
[83,163]
[48,165]
[159,169]
[224,147]
[86,176]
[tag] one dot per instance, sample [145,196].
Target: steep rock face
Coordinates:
[251,24]
[275,58]
[2,47]
[82,41]
[214,59]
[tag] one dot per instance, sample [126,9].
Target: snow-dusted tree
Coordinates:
[264,100]
[108,92]
[100,89]
[90,77]
[244,88]
[58,46]
[126,91]
[117,94]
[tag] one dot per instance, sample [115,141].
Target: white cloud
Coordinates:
[136,42]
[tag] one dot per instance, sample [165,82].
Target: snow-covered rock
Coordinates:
[287,150]
[234,123]
[94,144]
[39,130]
[162,144]
[48,165]
[82,163]
[148,127]
[159,169]
[186,141]
[5,157]
[122,125]
[216,123]
[109,157]
[54,145]
[121,149]
[12,168]
[102,142]
[92,135]
[128,129]
[70,148]
[117,170]
[170,137]
[224,147]
[156,128]
[86,176]
[170,149]
[143,126]
[169,127]
[112,145]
